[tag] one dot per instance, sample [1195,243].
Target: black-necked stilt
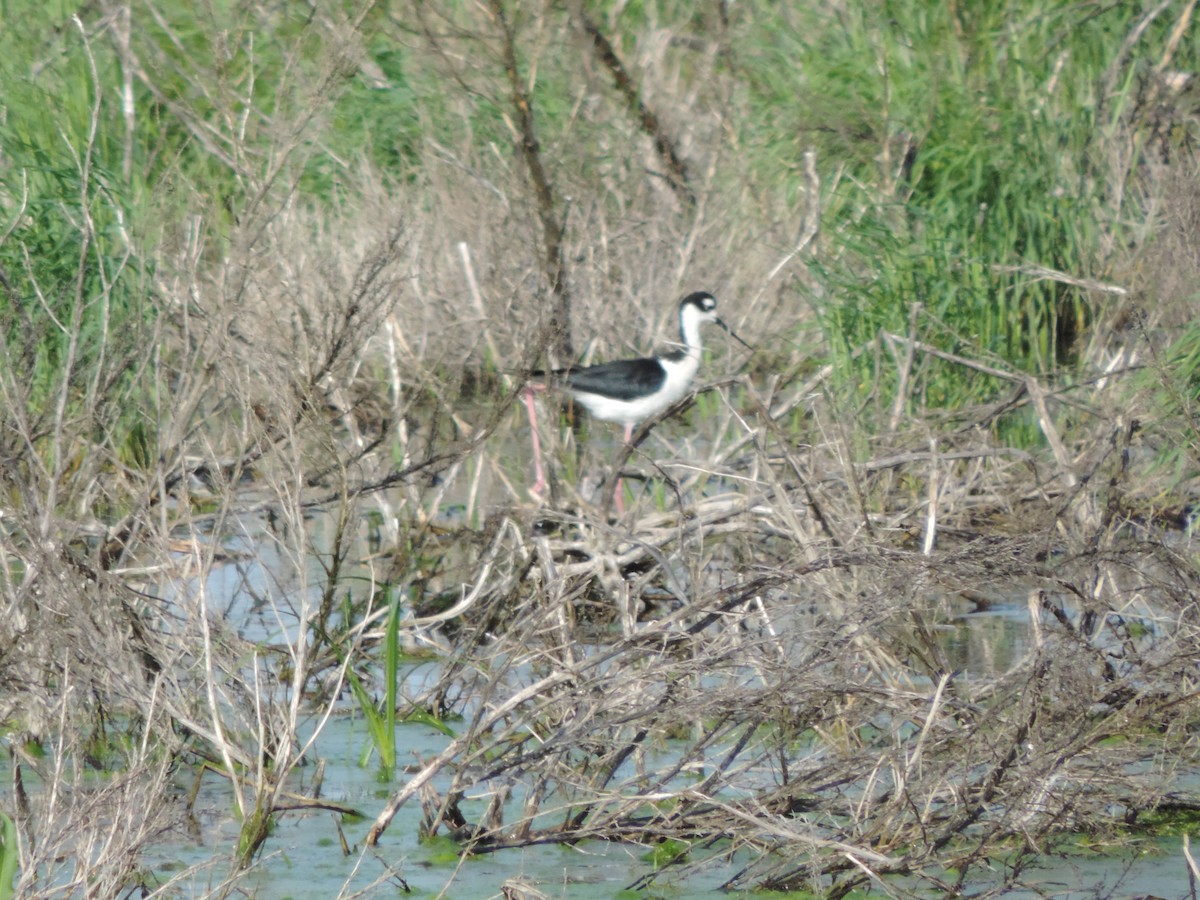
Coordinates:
[630,391]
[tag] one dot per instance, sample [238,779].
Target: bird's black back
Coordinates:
[621,379]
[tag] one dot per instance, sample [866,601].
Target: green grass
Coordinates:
[87,194]
[9,853]
[667,853]
[1170,382]
[1000,108]
[1167,822]
[381,717]
[76,309]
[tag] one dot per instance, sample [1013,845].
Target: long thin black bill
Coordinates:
[733,334]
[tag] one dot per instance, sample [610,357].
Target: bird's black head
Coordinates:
[702,300]
[700,307]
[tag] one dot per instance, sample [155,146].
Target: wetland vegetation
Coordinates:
[270,279]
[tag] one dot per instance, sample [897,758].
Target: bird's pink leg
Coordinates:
[619,493]
[540,484]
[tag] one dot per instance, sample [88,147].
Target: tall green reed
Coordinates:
[971,172]
[9,854]
[380,717]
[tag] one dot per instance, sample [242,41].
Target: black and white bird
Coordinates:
[630,391]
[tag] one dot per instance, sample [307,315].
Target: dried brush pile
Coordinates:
[759,673]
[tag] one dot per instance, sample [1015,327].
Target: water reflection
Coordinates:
[989,641]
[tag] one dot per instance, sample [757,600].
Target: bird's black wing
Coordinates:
[621,379]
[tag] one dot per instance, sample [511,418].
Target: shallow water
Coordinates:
[304,858]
